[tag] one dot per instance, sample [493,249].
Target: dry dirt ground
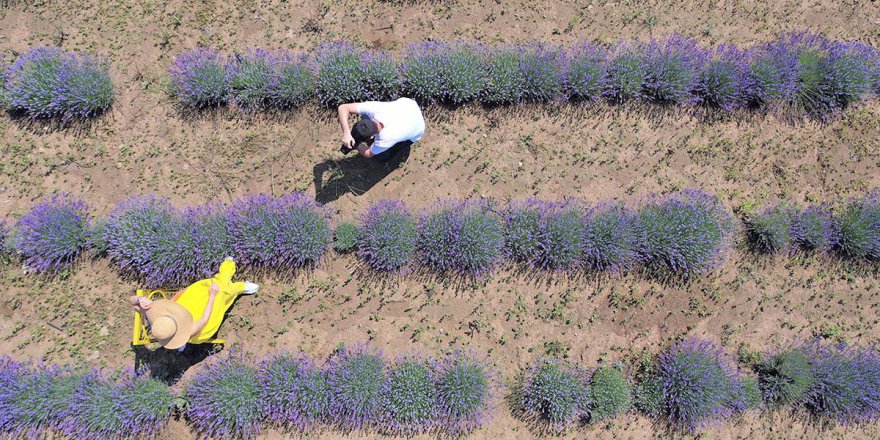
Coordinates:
[145,145]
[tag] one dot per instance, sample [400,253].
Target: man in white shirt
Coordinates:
[385,128]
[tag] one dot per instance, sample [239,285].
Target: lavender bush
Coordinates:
[522,231]
[543,71]
[134,232]
[104,408]
[611,238]
[545,234]
[279,233]
[562,237]
[225,400]
[786,377]
[252,79]
[295,391]
[424,71]
[505,81]
[847,383]
[556,393]
[684,233]
[48,82]
[725,80]
[389,236]
[411,400]
[586,72]
[858,228]
[813,229]
[53,234]
[699,384]
[625,73]
[851,71]
[199,78]
[464,391]
[26,403]
[348,73]
[673,69]
[770,231]
[358,383]
[294,81]
[464,73]
[346,236]
[610,394]
[464,237]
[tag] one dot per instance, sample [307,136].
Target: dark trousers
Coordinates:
[399,149]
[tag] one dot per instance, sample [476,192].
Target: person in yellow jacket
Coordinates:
[194,314]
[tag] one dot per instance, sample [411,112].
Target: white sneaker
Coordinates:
[250,288]
[229,259]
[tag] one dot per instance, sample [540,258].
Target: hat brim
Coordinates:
[182,317]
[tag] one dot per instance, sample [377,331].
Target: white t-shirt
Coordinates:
[401,121]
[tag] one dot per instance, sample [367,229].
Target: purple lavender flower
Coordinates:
[53,234]
[464,390]
[562,236]
[625,73]
[847,383]
[684,233]
[200,79]
[358,384]
[813,229]
[252,79]
[146,404]
[464,237]
[464,73]
[770,231]
[295,391]
[611,238]
[725,80]
[673,67]
[555,393]
[348,73]
[411,400]
[586,71]
[851,71]
[700,384]
[48,82]
[858,228]
[225,399]
[388,236]
[294,82]
[280,233]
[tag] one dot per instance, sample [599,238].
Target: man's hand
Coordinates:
[347,141]
[214,290]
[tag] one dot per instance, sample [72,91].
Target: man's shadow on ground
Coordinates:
[354,174]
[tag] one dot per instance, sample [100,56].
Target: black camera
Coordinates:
[345,149]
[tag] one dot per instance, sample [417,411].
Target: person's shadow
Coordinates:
[354,174]
[169,365]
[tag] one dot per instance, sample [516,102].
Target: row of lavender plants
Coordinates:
[802,72]
[680,235]
[47,82]
[690,386]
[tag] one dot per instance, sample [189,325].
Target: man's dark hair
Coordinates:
[363,130]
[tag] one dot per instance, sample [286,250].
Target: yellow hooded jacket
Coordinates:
[195,299]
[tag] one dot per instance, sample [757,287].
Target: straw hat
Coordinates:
[170,323]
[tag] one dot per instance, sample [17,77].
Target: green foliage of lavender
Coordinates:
[610,394]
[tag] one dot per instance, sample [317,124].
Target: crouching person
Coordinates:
[194,314]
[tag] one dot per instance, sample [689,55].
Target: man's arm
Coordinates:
[206,315]
[365,150]
[343,112]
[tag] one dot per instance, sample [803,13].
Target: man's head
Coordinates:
[364,131]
